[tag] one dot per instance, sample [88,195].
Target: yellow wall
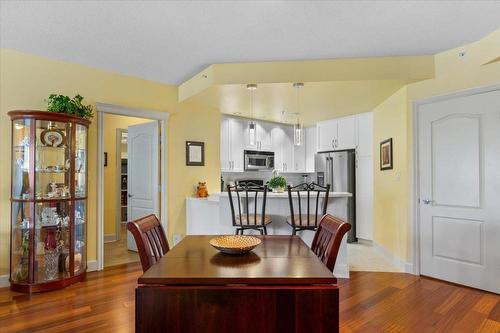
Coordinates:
[111,123]
[390,186]
[191,123]
[26,80]
[392,213]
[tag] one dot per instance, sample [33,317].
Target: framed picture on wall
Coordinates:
[195,153]
[386,154]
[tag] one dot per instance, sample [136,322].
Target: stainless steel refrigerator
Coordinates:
[339,170]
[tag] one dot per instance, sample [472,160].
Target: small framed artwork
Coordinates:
[195,153]
[386,154]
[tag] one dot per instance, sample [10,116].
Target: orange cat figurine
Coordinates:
[202,190]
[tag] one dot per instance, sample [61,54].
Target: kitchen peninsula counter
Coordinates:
[212,216]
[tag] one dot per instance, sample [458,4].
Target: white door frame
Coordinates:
[103,108]
[414,236]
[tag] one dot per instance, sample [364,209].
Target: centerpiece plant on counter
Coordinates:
[277,183]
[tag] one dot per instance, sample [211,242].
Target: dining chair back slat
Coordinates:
[308,219]
[150,239]
[247,215]
[327,239]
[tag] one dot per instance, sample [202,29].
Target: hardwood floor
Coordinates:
[370,302]
[117,253]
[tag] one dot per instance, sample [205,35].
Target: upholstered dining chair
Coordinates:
[245,211]
[315,199]
[150,239]
[326,241]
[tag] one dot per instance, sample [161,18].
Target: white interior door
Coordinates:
[459,176]
[143,173]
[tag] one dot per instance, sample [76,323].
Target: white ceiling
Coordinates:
[169,41]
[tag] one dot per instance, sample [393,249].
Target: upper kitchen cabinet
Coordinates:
[263,136]
[232,144]
[346,133]
[310,144]
[225,159]
[283,148]
[337,134]
[365,134]
[327,134]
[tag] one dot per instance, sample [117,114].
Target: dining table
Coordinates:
[279,286]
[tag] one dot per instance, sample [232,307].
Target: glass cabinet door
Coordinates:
[79,236]
[21,139]
[20,242]
[52,163]
[52,240]
[80,161]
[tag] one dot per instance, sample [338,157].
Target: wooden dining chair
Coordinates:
[326,242]
[246,199]
[308,217]
[150,238]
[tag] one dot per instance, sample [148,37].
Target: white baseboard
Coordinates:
[396,261]
[341,271]
[4,281]
[109,238]
[92,266]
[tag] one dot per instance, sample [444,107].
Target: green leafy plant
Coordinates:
[74,106]
[277,182]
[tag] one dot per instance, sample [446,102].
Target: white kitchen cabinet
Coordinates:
[237,129]
[231,144]
[326,134]
[346,133]
[225,159]
[365,134]
[287,149]
[337,134]
[263,136]
[364,197]
[283,148]
[364,176]
[299,156]
[311,146]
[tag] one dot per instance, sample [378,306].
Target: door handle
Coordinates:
[427,201]
[130,195]
[333,143]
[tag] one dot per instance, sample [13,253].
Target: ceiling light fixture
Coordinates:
[298,133]
[251,124]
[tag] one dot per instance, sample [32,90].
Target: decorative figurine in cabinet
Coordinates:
[48,200]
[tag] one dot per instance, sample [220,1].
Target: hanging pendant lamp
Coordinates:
[252,128]
[298,133]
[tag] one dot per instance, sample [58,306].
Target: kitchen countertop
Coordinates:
[214,197]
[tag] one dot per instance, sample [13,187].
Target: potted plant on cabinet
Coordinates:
[74,106]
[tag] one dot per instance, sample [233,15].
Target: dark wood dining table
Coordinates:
[280,286]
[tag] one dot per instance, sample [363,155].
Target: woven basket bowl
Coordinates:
[235,244]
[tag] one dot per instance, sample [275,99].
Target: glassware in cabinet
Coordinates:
[52,165]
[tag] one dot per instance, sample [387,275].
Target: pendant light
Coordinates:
[297,126]
[251,124]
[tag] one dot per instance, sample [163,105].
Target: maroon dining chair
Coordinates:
[327,239]
[150,239]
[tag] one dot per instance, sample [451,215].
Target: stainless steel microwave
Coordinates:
[259,160]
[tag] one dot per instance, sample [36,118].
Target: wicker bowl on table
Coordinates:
[235,244]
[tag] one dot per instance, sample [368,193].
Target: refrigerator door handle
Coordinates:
[328,177]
